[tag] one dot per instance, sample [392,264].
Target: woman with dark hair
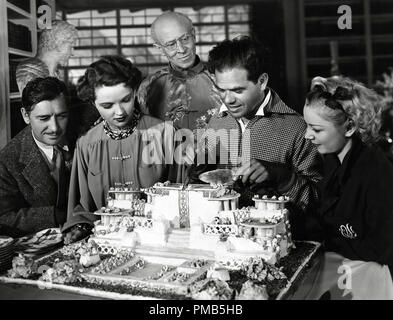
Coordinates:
[356,211]
[126,147]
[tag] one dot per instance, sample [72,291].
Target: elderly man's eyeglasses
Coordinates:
[173,45]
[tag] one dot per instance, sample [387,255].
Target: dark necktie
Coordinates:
[59,176]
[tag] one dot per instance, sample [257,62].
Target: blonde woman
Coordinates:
[356,193]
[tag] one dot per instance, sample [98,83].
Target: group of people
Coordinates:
[339,183]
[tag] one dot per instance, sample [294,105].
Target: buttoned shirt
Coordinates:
[260,112]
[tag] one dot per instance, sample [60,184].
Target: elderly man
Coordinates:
[34,164]
[261,139]
[181,92]
[54,48]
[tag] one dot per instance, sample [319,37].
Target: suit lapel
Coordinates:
[36,170]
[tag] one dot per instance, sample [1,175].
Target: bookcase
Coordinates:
[18,41]
[363,52]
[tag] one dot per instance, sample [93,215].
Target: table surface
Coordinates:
[21,289]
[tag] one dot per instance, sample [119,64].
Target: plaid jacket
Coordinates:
[277,137]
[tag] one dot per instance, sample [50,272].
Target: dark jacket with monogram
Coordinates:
[357,205]
[28,192]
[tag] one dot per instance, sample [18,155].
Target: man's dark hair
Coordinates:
[41,89]
[240,52]
[108,71]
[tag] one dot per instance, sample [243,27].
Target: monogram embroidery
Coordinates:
[347,231]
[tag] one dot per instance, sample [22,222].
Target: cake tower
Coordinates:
[198,217]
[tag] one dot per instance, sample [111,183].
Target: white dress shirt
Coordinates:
[260,112]
[46,149]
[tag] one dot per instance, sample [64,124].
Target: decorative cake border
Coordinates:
[284,293]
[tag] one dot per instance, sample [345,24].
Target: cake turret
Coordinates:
[123,196]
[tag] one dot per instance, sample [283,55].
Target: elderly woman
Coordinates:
[356,212]
[127,147]
[54,49]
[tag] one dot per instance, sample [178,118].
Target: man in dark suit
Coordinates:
[34,165]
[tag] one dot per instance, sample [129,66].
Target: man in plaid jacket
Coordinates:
[260,138]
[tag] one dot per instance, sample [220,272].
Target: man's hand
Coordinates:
[273,174]
[76,233]
[253,172]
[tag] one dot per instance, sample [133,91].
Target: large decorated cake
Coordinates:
[179,242]
[198,217]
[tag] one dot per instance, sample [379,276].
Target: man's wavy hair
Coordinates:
[242,52]
[107,71]
[342,99]
[42,89]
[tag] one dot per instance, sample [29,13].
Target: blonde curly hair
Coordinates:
[342,99]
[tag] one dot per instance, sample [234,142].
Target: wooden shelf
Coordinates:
[380,38]
[341,39]
[310,3]
[326,60]
[382,16]
[362,51]
[383,56]
[24,22]
[22,12]
[11,15]
[20,52]
[332,19]
[15,95]
[376,38]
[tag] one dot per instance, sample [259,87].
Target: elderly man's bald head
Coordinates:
[174,34]
[167,20]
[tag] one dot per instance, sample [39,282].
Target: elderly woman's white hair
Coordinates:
[61,32]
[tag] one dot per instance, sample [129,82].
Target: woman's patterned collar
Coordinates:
[125,133]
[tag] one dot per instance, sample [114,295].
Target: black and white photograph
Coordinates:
[195,156]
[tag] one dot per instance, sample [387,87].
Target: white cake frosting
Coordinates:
[196,216]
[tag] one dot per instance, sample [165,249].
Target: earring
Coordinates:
[350,124]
